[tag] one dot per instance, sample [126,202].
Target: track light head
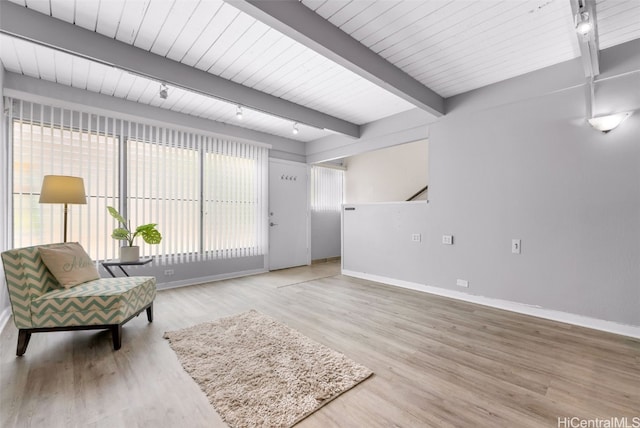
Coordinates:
[295,128]
[164,91]
[583,23]
[239,112]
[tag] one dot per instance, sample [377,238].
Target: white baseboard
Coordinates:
[205,279]
[5,316]
[537,311]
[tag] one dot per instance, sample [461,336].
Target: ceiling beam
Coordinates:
[27,24]
[300,23]
[589,45]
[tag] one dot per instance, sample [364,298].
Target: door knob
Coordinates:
[273,224]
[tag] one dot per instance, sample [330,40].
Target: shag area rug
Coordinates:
[258,372]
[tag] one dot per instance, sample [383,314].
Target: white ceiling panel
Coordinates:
[455,46]
[253,58]
[46,65]
[328,8]
[194,52]
[349,11]
[394,25]
[368,14]
[243,32]
[131,20]
[153,24]
[87,15]
[185,19]
[79,72]
[64,69]
[110,81]
[9,55]
[108,18]
[241,48]
[618,21]
[97,73]
[64,10]
[183,26]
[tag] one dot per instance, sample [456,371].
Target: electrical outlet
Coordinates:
[416,237]
[168,272]
[462,283]
[447,239]
[516,246]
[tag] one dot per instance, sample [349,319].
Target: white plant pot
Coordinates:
[129,254]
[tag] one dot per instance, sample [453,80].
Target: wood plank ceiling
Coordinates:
[457,46]
[449,46]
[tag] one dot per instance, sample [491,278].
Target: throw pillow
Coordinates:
[69,264]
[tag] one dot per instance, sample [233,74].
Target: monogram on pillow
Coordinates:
[77,263]
[69,264]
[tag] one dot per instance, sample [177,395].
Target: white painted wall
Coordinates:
[377,240]
[392,257]
[386,175]
[325,234]
[535,171]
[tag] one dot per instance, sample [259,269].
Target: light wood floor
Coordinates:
[437,362]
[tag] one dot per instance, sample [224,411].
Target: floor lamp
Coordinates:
[62,189]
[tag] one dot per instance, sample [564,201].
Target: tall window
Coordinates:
[62,142]
[207,195]
[234,198]
[327,188]
[163,185]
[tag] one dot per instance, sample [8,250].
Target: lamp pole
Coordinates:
[65,222]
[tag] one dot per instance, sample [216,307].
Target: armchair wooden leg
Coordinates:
[150,312]
[116,333]
[23,341]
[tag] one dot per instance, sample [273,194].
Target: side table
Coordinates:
[139,262]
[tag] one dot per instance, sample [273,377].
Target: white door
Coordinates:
[288,214]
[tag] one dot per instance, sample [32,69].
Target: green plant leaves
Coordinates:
[120,234]
[148,232]
[115,214]
[151,236]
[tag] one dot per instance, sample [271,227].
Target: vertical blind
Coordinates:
[5,196]
[207,195]
[48,140]
[327,188]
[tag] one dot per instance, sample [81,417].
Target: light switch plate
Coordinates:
[516,246]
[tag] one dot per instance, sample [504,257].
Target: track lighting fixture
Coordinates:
[609,122]
[606,122]
[583,23]
[239,112]
[164,91]
[295,128]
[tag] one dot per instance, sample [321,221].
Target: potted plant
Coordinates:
[148,232]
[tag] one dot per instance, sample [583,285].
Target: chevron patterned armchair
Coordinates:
[40,304]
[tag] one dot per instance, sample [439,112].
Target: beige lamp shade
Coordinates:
[62,189]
